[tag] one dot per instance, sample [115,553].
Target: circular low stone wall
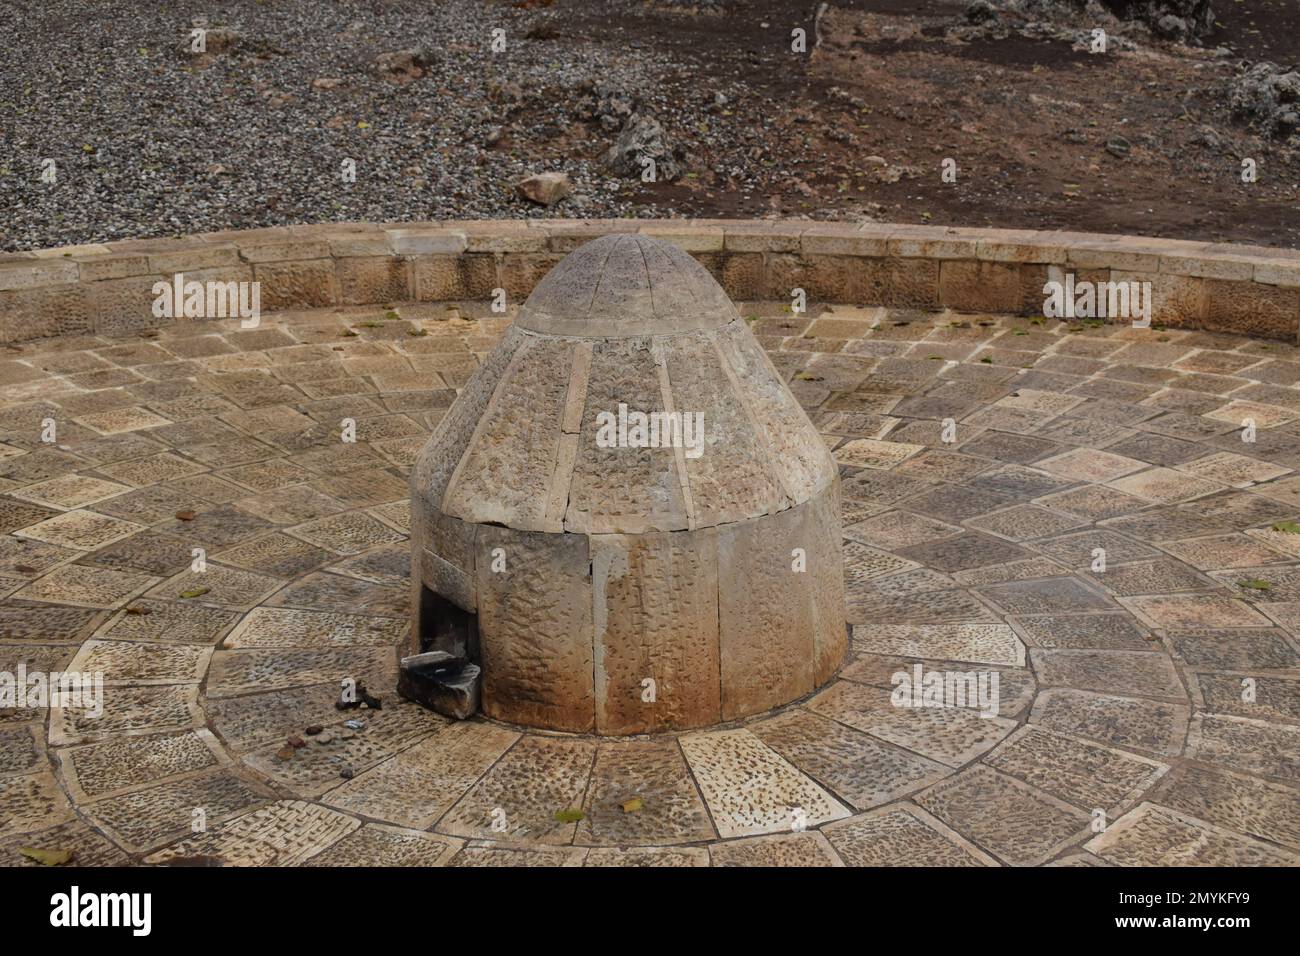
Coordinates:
[108,288]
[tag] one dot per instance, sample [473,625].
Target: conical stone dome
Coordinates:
[631,444]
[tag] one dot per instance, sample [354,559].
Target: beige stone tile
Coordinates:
[751,789]
[86,587]
[70,491]
[286,833]
[1152,835]
[949,735]
[807,848]
[82,530]
[418,785]
[902,835]
[519,799]
[375,844]
[976,643]
[641,794]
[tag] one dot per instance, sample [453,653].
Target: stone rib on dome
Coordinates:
[626,285]
[519,447]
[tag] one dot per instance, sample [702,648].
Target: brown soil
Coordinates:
[1027,121]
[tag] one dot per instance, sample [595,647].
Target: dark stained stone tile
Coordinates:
[1130,673]
[152,551]
[1083,774]
[1151,726]
[1007,447]
[1232,649]
[963,552]
[1018,481]
[1150,577]
[955,504]
[336,592]
[1051,596]
[1104,631]
[1157,449]
[216,526]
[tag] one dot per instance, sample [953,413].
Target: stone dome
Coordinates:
[623,492]
[625,285]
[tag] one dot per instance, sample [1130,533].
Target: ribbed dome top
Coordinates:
[626,285]
[623,326]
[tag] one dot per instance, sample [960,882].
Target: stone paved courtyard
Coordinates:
[1161,694]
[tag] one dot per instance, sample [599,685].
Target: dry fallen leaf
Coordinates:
[194,592]
[185,515]
[46,857]
[569,816]
[633,805]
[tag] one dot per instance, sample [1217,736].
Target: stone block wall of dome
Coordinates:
[781,599]
[106,288]
[642,633]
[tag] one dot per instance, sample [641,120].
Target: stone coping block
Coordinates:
[65,291]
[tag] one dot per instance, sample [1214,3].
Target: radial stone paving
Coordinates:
[1096,535]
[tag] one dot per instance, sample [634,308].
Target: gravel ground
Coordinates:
[150,140]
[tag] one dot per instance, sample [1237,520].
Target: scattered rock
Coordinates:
[1267,97]
[609,104]
[285,753]
[362,697]
[545,188]
[327,83]
[881,170]
[354,724]
[313,730]
[222,40]
[1119,147]
[542,31]
[347,773]
[642,139]
[442,682]
[402,66]
[1208,136]
[1183,21]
